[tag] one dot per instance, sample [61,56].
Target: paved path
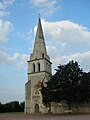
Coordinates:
[8,116]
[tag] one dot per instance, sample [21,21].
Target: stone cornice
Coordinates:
[39,59]
[39,72]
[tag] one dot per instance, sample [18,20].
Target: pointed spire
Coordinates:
[39,33]
[39,49]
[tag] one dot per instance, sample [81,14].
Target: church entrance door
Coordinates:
[36,108]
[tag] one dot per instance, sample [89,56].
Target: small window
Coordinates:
[42,55]
[33,67]
[36,92]
[38,66]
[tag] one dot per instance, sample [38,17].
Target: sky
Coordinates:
[66,26]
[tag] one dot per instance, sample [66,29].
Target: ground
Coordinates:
[21,116]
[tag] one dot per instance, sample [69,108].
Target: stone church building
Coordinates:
[39,71]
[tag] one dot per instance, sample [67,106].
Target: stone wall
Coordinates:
[62,108]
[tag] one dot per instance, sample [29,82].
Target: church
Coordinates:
[39,70]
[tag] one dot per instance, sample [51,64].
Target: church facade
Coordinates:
[39,70]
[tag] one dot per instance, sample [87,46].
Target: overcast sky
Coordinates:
[66,26]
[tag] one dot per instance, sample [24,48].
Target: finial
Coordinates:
[39,15]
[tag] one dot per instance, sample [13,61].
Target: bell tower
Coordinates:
[39,70]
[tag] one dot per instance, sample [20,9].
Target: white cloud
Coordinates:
[66,31]
[45,6]
[6,59]
[82,58]
[18,60]
[67,35]
[3,5]
[23,61]
[5,28]
[3,13]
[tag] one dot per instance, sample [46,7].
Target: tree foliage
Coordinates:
[69,84]
[86,87]
[13,106]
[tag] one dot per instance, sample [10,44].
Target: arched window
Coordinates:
[38,66]
[33,67]
[42,55]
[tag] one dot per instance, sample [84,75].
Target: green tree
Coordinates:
[85,83]
[15,106]
[65,85]
[21,106]
[1,107]
[70,76]
[12,106]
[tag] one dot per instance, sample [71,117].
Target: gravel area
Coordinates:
[21,116]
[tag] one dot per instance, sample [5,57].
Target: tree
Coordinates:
[22,105]
[1,107]
[13,106]
[86,87]
[69,76]
[65,85]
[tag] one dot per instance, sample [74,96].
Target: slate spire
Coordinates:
[39,45]
[39,33]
